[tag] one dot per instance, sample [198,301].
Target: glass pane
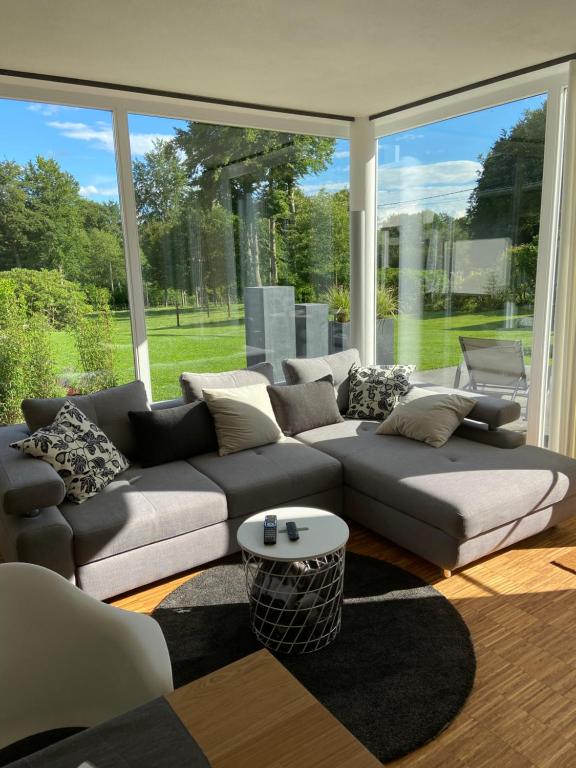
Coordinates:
[244,244]
[64,321]
[458,223]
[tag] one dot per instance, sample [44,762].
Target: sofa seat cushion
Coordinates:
[343,439]
[271,475]
[463,488]
[143,506]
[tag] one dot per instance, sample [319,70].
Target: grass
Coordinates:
[215,342]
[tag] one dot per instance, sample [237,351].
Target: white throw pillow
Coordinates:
[243,417]
[429,418]
[83,456]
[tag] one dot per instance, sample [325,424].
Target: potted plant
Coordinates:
[338,300]
[386,311]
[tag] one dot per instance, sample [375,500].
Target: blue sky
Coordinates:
[437,160]
[435,166]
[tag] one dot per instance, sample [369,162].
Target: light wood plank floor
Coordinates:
[521,610]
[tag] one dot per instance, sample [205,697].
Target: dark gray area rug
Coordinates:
[396,675]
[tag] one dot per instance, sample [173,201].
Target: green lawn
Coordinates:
[216,342]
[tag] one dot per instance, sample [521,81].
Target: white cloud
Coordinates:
[409,187]
[342,153]
[328,186]
[101,136]
[47,110]
[91,190]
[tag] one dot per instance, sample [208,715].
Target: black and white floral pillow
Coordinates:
[79,451]
[375,390]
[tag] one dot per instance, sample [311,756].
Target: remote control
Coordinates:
[270,528]
[292,531]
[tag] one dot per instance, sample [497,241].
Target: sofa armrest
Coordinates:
[43,540]
[481,433]
[26,483]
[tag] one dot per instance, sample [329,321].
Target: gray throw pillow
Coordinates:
[81,454]
[192,384]
[376,389]
[243,417]
[431,419]
[300,407]
[338,365]
[108,409]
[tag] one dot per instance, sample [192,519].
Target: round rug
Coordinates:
[399,671]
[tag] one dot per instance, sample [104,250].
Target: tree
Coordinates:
[506,200]
[55,235]
[251,173]
[13,216]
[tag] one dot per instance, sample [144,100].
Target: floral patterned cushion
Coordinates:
[83,456]
[375,390]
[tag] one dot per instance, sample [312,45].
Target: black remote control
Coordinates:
[292,531]
[270,528]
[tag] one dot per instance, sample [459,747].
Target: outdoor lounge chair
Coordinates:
[495,365]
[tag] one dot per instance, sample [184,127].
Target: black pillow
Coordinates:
[170,434]
[300,407]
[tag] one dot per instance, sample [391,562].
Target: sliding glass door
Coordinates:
[458,226]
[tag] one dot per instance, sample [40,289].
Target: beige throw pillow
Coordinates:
[243,417]
[431,419]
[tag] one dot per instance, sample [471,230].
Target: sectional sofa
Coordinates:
[482,491]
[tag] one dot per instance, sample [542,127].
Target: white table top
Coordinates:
[326,533]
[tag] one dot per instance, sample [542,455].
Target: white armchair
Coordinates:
[67,659]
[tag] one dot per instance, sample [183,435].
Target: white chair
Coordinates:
[67,659]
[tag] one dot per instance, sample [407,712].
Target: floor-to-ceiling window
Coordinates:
[64,320]
[458,224]
[244,245]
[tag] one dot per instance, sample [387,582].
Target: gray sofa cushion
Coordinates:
[303,370]
[463,488]
[300,407]
[343,439]
[143,506]
[26,484]
[108,409]
[192,384]
[270,475]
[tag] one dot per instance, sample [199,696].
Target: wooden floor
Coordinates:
[521,610]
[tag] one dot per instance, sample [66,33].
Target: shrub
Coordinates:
[26,366]
[46,291]
[93,336]
[338,299]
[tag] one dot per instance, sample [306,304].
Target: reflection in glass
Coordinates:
[244,242]
[458,225]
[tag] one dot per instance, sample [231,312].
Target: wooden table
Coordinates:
[255,714]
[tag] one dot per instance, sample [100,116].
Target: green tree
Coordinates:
[506,200]
[13,216]
[56,238]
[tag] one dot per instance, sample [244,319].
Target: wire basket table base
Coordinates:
[295,606]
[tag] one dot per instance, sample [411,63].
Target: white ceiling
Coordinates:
[349,57]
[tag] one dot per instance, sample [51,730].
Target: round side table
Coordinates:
[295,587]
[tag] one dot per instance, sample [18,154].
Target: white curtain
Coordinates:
[563,391]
